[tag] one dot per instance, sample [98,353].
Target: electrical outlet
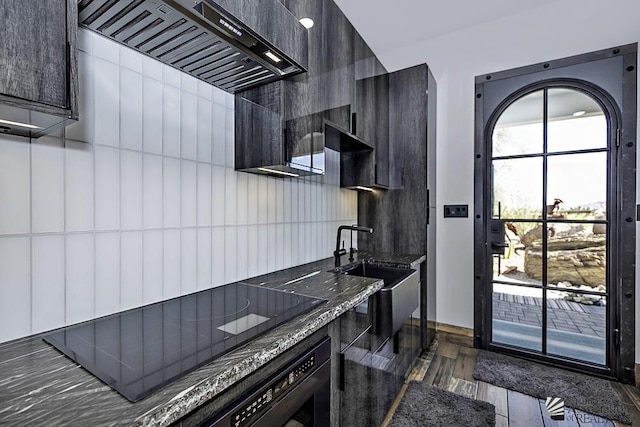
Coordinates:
[456,211]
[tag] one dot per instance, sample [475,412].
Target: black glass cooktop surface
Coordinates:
[139,351]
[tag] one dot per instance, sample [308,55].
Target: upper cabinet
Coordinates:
[286,120]
[233,45]
[38,66]
[370,121]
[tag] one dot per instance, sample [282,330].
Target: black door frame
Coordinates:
[623,227]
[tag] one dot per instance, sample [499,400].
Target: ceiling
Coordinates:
[388,25]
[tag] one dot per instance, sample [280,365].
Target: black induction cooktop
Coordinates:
[139,351]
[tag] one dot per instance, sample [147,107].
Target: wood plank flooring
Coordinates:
[449,366]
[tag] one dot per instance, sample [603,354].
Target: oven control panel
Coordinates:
[252,408]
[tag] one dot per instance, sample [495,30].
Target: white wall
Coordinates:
[551,31]
[139,202]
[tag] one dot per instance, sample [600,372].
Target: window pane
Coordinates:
[576,122]
[517,316]
[512,266]
[577,256]
[577,329]
[517,188]
[519,128]
[577,185]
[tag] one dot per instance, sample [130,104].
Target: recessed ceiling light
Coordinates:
[307,22]
[272,57]
[22,125]
[579,113]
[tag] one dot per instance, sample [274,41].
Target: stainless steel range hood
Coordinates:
[222,42]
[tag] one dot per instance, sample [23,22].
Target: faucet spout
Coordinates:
[338,252]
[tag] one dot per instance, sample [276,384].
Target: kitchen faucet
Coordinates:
[338,252]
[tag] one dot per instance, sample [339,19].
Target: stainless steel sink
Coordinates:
[396,300]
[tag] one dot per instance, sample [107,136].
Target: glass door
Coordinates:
[550,184]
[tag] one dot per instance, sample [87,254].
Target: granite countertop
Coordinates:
[39,385]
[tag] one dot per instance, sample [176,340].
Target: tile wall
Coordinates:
[139,202]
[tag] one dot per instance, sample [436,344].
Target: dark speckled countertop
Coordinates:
[40,386]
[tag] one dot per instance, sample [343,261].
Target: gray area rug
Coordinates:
[425,405]
[589,394]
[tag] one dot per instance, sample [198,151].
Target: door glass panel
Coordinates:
[517,316]
[577,256]
[577,183]
[576,122]
[517,188]
[512,267]
[519,128]
[576,326]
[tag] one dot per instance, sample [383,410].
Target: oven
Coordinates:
[296,396]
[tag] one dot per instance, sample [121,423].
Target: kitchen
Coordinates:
[139,201]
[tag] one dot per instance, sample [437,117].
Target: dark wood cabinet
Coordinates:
[402,213]
[370,122]
[337,57]
[372,368]
[38,65]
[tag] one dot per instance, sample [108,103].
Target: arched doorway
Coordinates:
[549,239]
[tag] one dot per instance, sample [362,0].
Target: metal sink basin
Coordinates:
[395,302]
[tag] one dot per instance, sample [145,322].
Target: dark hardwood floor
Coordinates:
[450,364]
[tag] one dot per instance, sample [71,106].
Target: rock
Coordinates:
[580,261]
[570,243]
[600,228]
[531,236]
[510,269]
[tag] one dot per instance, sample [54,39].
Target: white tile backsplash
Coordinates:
[152,273]
[47,185]
[152,190]
[138,201]
[14,186]
[131,190]
[107,188]
[131,102]
[204,194]
[171,191]
[189,125]
[48,288]
[78,186]
[204,255]
[189,257]
[189,188]
[171,263]
[131,269]
[80,276]
[106,77]
[15,287]
[242,252]
[107,265]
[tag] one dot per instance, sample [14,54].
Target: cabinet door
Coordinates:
[372,122]
[33,51]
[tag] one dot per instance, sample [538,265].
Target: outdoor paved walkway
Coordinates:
[567,316]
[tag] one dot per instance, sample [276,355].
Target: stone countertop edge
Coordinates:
[190,399]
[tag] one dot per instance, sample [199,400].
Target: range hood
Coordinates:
[231,44]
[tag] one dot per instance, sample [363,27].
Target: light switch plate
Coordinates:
[456,211]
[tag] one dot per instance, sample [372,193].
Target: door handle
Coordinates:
[499,245]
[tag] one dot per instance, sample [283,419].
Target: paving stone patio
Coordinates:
[562,315]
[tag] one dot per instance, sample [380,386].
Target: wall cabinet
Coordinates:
[370,121]
[298,107]
[38,59]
